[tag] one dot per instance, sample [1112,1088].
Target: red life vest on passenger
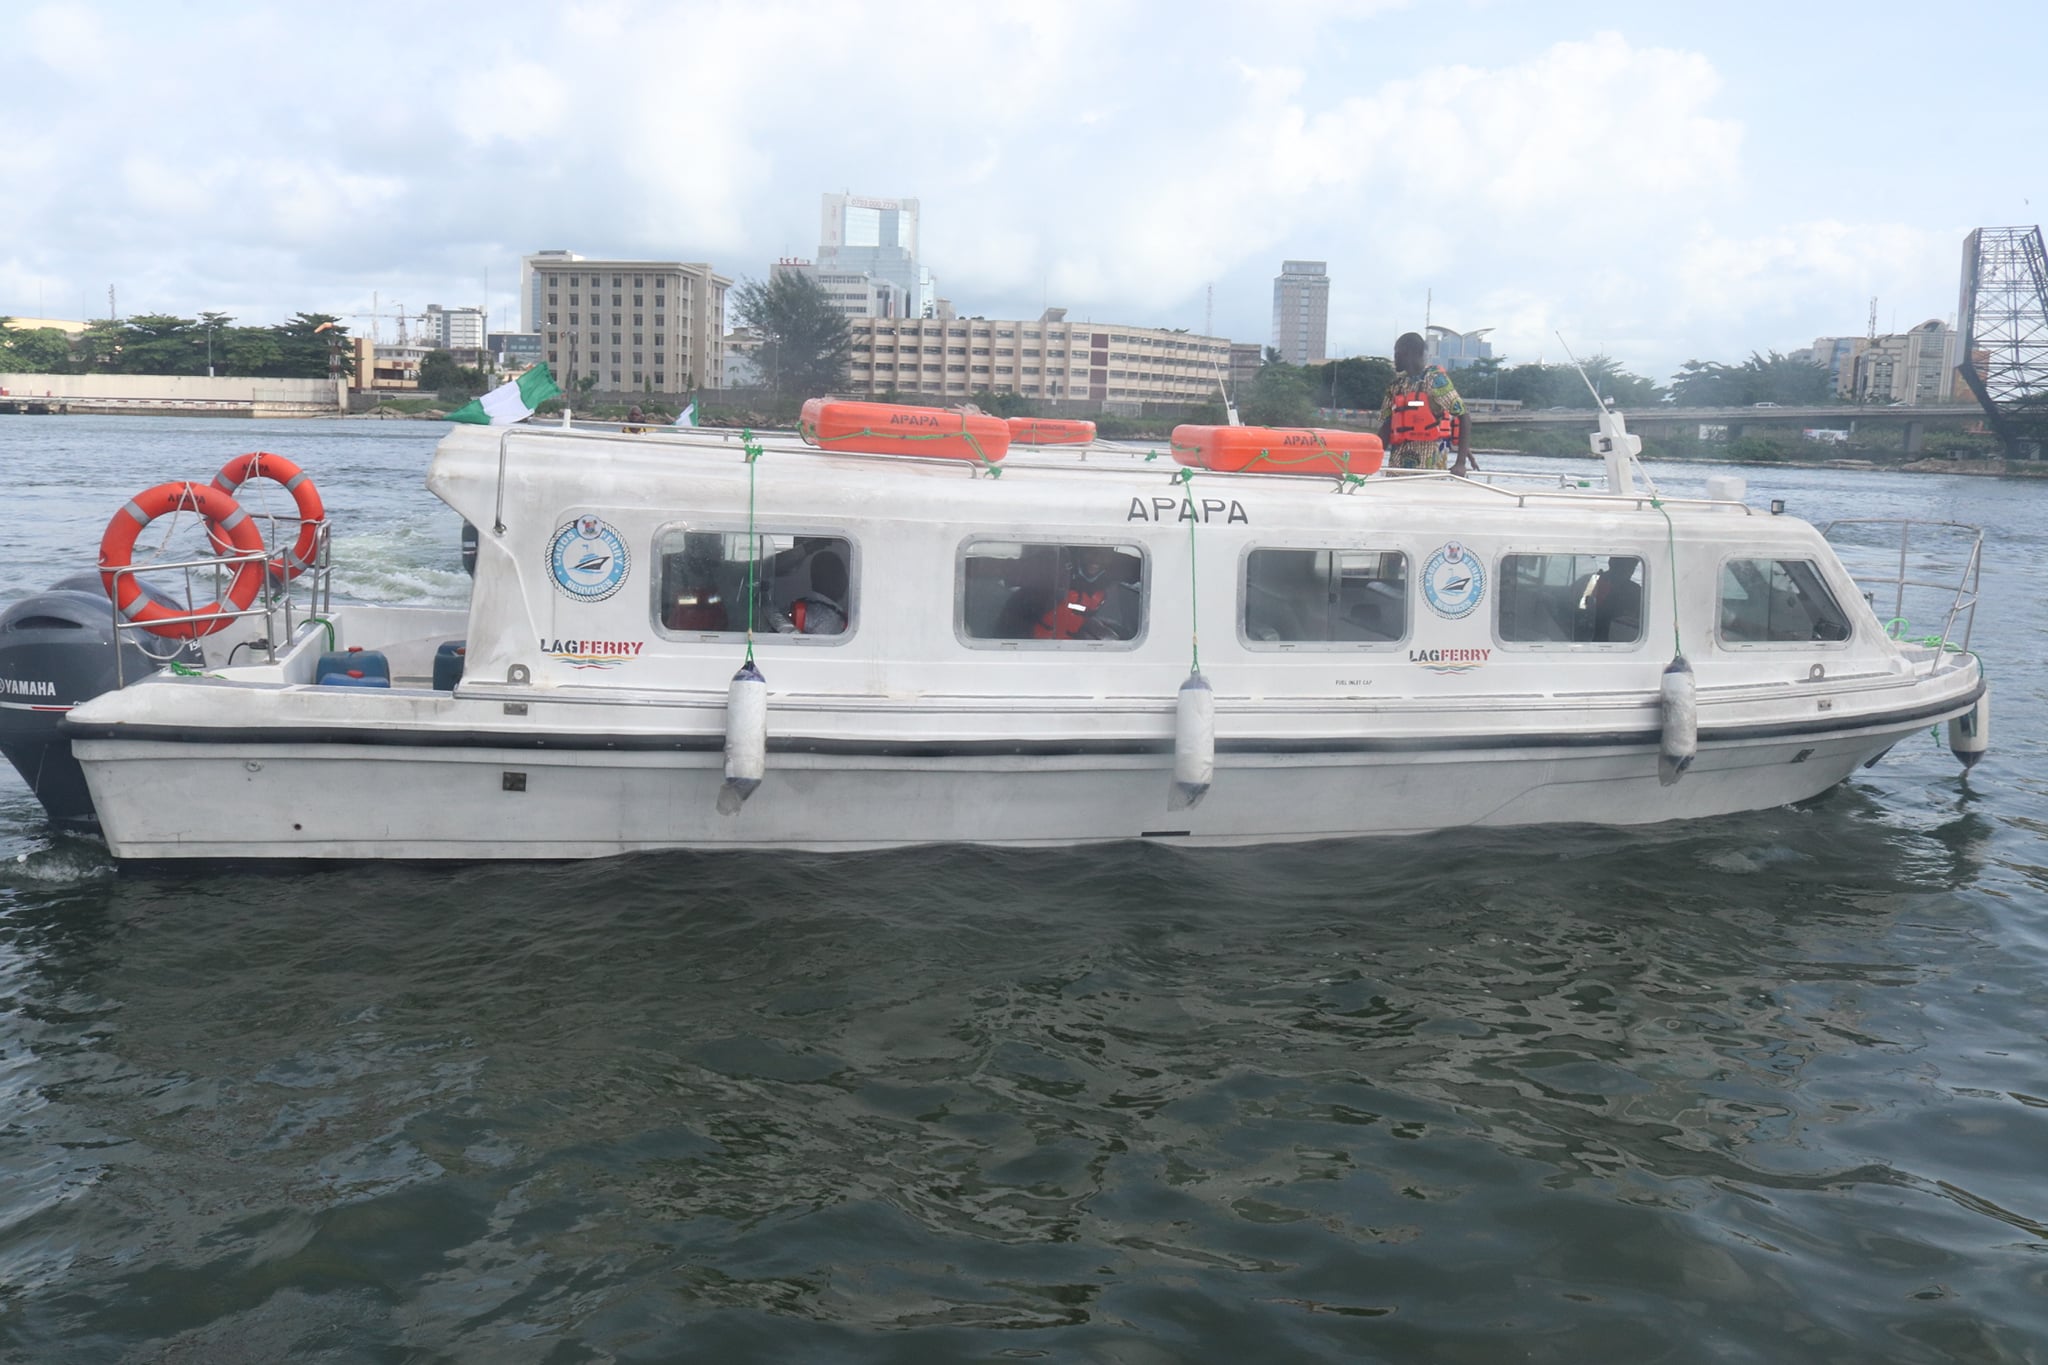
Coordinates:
[1415,420]
[1064,622]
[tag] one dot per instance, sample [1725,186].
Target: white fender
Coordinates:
[1969,734]
[746,737]
[1680,741]
[1194,743]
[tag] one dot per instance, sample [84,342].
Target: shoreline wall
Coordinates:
[177,393]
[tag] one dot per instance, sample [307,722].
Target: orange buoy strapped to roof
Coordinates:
[261,464]
[894,429]
[1051,431]
[226,522]
[1278,450]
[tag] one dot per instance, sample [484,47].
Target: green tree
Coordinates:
[158,343]
[1775,378]
[1282,396]
[251,351]
[98,347]
[805,345]
[213,327]
[438,370]
[1354,382]
[39,350]
[312,346]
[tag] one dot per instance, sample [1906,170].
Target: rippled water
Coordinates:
[1765,1088]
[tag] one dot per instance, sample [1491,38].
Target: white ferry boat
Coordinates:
[685,638]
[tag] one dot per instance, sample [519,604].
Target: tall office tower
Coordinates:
[1301,311]
[859,235]
[529,287]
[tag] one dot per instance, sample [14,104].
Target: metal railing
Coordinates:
[281,602]
[1939,563]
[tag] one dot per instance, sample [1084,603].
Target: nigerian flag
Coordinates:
[509,403]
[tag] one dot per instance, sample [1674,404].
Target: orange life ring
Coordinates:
[1278,450]
[895,429]
[225,520]
[261,464]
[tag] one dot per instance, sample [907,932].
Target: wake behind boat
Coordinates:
[695,639]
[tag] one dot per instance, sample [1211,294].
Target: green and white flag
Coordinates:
[509,403]
[688,416]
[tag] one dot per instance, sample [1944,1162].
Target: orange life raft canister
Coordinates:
[225,522]
[261,464]
[1050,431]
[1278,450]
[892,429]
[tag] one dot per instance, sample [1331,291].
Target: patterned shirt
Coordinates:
[1443,401]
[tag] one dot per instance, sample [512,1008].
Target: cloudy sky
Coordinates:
[1656,181]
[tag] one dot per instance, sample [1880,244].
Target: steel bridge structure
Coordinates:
[2002,322]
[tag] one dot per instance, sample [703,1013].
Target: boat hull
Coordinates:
[301,798]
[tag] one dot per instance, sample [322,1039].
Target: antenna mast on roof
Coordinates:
[1871,335]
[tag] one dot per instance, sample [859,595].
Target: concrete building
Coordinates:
[1912,367]
[861,235]
[635,326]
[68,326]
[742,368]
[1837,355]
[450,329]
[529,287]
[1113,366]
[1301,312]
[515,352]
[855,293]
[1456,350]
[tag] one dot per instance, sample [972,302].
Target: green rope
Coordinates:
[323,621]
[752,448]
[1187,477]
[1671,548]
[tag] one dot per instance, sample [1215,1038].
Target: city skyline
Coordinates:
[1655,189]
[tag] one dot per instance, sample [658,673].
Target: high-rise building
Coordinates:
[529,288]
[1301,311]
[635,326]
[861,235]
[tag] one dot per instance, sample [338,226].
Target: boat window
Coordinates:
[1086,594]
[1571,599]
[1325,596]
[1767,601]
[802,583]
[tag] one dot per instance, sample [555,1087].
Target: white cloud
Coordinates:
[1110,157]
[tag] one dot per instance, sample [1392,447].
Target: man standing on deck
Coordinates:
[1421,411]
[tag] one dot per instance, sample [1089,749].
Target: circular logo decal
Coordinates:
[1453,582]
[587,560]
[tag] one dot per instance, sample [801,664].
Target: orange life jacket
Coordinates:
[1064,621]
[1415,420]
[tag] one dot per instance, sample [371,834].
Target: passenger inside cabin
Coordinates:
[820,610]
[1097,603]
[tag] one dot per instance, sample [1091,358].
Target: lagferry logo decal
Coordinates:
[1449,660]
[592,653]
[1453,582]
[587,560]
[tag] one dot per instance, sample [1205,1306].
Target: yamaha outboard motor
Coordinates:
[57,650]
